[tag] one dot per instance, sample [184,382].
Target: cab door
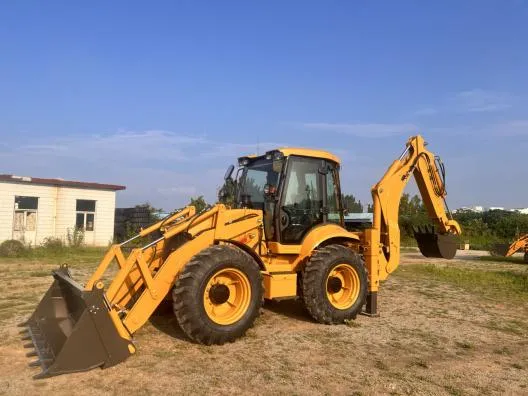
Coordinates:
[302,199]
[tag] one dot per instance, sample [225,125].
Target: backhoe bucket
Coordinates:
[72,330]
[500,249]
[432,244]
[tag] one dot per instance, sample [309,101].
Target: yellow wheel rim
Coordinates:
[342,286]
[227,296]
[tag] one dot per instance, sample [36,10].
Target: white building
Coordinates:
[32,209]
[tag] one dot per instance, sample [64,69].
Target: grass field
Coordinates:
[454,328]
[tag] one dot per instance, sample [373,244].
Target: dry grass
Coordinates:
[436,335]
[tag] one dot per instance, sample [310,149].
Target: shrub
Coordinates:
[12,248]
[75,237]
[52,243]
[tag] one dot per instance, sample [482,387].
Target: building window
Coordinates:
[25,213]
[85,214]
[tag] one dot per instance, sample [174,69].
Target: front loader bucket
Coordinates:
[72,330]
[432,244]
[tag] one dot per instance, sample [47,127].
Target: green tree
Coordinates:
[199,203]
[227,193]
[351,204]
[411,213]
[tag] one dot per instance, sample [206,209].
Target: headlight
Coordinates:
[274,155]
[244,161]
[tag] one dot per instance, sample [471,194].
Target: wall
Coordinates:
[104,214]
[46,208]
[55,219]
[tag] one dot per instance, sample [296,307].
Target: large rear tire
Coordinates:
[218,295]
[334,284]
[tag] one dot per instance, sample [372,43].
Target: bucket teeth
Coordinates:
[26,338]
[35,363]
[32,354]
[23,324]
[29,345]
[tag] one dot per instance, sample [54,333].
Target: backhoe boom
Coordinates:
[382,241]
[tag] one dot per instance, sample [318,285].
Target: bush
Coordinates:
[52,243]
[12,248]
[75,237]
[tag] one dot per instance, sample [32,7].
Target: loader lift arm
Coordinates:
[382,241]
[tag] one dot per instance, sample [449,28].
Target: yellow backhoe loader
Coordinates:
[506,250]
[282,238]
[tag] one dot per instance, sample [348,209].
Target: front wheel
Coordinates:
[218,295]
[334,284]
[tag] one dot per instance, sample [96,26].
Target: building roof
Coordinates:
[59,183]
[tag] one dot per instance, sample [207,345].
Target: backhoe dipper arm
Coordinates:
[382,241]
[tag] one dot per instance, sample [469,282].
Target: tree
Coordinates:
[227,193]
[199,203]
[351,204]
[411,213]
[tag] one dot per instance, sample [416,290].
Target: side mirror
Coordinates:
[229,172]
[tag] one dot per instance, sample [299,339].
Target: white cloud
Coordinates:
[121,147]
[480,100]
[363,130]
[165,168]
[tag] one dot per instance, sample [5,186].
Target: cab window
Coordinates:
[302,199]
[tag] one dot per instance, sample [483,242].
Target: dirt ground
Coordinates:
[432,337]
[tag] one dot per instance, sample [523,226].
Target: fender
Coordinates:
[321,234]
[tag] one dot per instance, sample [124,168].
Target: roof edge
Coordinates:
[59,182]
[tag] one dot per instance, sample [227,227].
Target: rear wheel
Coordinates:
[334,284]
[218,295]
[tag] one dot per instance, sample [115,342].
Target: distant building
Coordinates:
[475,209]
[358,221]
[481,209]
[33,209]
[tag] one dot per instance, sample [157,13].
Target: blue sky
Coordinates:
[161,96]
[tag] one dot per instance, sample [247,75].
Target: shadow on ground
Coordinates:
[164,320]
[291,308]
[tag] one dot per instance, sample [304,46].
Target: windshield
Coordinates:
[252,181]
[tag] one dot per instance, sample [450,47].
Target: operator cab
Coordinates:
[297,189]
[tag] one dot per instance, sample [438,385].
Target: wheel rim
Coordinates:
[227,296]
[342,286]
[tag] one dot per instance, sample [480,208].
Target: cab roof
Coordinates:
[303,152]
